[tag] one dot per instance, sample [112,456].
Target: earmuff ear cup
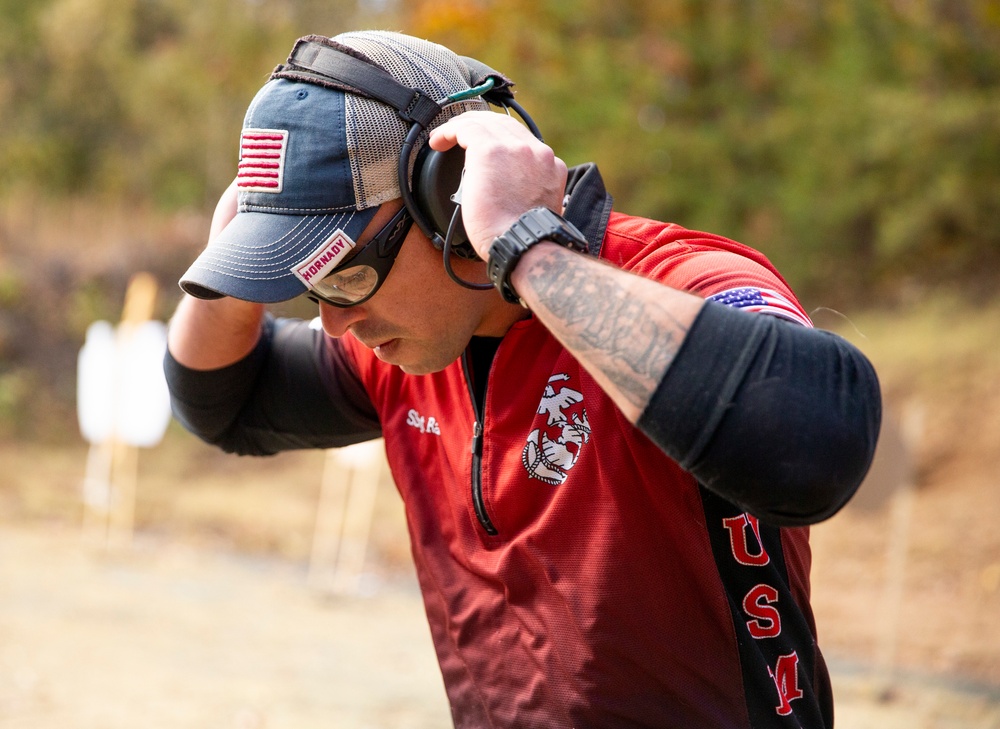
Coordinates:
[436,177]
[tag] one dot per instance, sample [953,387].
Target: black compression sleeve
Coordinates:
[779,419]
[207,402]
[292,391]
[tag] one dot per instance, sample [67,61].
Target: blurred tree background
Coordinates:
[856,143]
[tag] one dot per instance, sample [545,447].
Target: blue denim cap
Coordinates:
[298,211]
[316,162]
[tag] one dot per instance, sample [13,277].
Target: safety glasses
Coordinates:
[357,279]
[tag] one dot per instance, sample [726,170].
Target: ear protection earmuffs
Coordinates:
[437,176]
[431,196]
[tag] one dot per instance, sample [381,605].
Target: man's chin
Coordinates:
[417,369]
[426,367]
[412,358]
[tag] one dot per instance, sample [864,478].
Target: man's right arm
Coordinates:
[249,384]
[208,335]
[295,389]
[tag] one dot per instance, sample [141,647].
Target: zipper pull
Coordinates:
[477,434]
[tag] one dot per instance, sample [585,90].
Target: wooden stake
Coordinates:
[97,492]
[121,518]
[344,517]
[112,466]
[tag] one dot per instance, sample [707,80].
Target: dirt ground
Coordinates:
[170,636]
[167,635]
[181,631]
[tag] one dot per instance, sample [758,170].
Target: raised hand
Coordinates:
[507,172]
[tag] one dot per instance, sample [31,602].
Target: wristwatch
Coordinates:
[536,225]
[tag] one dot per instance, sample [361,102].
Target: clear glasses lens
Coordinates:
[349,285]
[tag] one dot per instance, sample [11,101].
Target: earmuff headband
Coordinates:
[412,105]
[314,60]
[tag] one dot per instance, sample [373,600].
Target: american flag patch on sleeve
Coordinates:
[262,160]
[764,301]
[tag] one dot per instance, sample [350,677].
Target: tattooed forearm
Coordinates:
[621,324]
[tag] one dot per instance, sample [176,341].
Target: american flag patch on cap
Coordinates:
[262,160]
[765,301]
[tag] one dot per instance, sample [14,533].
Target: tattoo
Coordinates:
[629,340]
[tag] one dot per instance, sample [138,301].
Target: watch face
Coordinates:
[563,232]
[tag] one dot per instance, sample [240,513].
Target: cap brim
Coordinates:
[255,257]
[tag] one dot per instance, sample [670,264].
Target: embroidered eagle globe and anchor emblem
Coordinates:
[551,452]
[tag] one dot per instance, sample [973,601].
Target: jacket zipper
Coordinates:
[477,455]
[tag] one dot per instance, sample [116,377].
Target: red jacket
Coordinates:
[573,574]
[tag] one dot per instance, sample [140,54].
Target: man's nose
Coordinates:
[337,320]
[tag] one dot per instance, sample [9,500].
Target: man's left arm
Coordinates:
[625,329]
[777,418]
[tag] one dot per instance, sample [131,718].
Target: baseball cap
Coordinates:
[316,161]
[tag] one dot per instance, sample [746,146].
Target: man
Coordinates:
[607,460]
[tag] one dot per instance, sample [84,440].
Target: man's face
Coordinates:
[419,319]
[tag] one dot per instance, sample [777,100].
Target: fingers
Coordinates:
[225,210]
[466,128]
[484,134]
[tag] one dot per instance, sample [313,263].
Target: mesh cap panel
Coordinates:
[375,133]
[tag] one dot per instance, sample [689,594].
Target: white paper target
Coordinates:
[121,390]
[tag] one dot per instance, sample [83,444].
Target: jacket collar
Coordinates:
[588,204]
